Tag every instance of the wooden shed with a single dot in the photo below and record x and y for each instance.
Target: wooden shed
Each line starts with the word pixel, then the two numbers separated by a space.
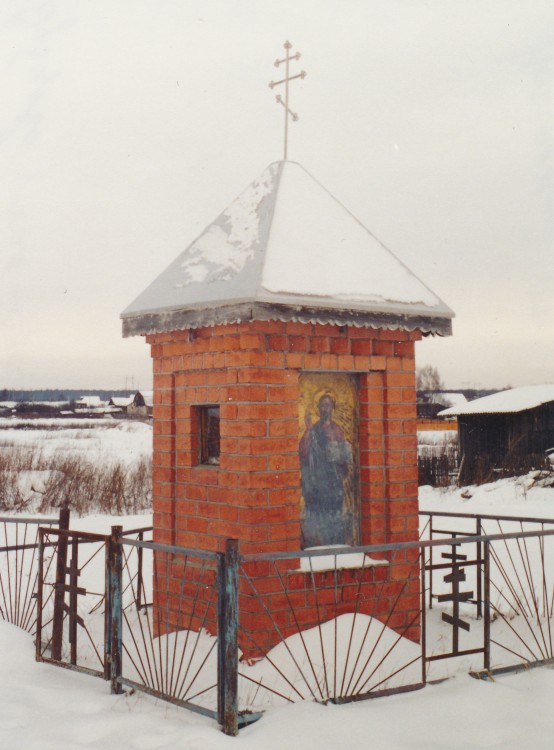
pixel 505 433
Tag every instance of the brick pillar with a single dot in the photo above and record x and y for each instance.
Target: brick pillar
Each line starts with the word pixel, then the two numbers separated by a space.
pixel 251 371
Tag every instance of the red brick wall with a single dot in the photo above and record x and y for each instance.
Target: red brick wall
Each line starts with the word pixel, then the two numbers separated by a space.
pixel 252 371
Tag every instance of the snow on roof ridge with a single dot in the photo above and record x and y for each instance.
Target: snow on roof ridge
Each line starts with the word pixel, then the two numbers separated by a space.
pixel 505 402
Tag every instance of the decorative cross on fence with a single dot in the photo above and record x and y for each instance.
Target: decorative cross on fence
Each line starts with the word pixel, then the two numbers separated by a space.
pixel 74 590
pixel 456 596
pixel 285 80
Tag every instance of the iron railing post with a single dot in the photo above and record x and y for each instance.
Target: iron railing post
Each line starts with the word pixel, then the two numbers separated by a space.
pixel 431 517
pixel 38 636
pixel 423 618
pixel 487 607
pixel 107 609
pixel 59 592
pixel 478 531
pixel 115 608
pixel 73 576
pixel 227 617
pixel 139 572
pixel 220 628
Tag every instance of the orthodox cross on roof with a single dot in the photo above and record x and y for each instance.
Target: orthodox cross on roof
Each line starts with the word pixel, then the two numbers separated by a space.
pixel 279 99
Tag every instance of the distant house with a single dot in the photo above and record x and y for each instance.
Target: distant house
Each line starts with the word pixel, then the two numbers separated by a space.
pixel 142 404
pixel 90 404
pixel 432 405
pixel 506 432
pixel 119 404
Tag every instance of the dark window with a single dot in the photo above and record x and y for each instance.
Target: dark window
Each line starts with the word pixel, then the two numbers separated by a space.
pixel 209 434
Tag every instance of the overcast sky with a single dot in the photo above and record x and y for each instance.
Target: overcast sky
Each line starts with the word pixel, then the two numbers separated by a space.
pixel 127 126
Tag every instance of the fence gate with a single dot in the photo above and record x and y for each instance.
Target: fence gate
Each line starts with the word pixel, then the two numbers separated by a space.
pixel 72 628
pixel 147 626
pixel 453 583
pixel 490 593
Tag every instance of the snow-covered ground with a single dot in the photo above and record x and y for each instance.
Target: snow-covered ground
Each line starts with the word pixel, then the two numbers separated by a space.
pixel 527 496
pixel 98 440
pixel 44 707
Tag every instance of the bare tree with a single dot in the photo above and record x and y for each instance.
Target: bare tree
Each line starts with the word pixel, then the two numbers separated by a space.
pixel 428 380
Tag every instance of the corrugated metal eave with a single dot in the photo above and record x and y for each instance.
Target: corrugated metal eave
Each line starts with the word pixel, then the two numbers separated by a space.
pixel 162 322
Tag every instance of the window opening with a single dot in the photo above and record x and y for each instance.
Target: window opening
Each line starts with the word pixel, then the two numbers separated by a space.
pixel 209 435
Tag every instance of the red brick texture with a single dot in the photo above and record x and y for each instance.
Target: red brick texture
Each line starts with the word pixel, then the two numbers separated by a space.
pixel 251 370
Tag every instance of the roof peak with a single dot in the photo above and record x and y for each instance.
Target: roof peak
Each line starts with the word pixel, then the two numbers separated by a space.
pixel 286 242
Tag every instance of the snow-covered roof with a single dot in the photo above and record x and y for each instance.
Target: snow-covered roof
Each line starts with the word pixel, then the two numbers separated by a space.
pixel 505 402
pixel 286 249
pixel 90 402
pixel 121 400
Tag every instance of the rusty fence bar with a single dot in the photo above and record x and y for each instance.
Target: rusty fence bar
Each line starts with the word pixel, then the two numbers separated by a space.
pixel 422 568
pixel 391 547
pixel 487 607
pixel 485 516
pixel 114 607
pixel 227 615
pixel 59 593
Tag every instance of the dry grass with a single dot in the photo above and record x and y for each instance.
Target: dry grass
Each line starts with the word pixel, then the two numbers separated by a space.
pixel 31 482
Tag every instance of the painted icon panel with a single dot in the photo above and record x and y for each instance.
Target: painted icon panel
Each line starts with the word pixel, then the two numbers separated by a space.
pixel 328 423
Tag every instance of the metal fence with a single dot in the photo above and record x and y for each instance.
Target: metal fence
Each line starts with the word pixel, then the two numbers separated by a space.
pixel 502 580
pixel 230 635
pixel 330 625
pixel 165 647
pixel 73 600
pixel 19 568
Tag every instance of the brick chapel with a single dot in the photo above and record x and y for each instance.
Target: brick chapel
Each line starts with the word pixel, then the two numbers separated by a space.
pixel 282 342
